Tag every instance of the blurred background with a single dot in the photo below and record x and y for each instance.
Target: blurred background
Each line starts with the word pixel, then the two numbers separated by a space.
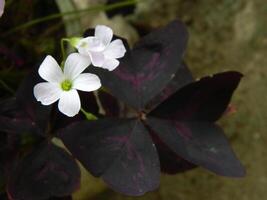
pixel 224 35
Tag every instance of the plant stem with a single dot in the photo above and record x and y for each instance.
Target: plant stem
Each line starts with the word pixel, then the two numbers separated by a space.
pixel 89 116
pixel 63 50
pixel 58 15
pixel 100 106
pixel 6 87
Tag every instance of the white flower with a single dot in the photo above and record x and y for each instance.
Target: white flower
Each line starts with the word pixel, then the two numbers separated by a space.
pixel 99 48
pixel 63 85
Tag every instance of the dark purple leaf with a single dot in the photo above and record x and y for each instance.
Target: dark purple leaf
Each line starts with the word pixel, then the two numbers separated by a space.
pixel 109 103
pixel 2 177
pixel 8 148
pixel 92 143
pixel 46 172
pixel 17 125
pixel 8 107
pixel 137 169
pixel 26 101
pixel 204 100
pixel 59 120
pixel 182 77
pixel 120 151
pixel 170 162
pixel 148 67
pixel 14 120
pixel 89 102
pixel 201 143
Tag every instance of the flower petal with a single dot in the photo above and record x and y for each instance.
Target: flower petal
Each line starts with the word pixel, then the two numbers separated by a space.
pixel 82 46
pixel 47 93
pixel 87 82
pixel 50 71
pixel 116 49
pixel 75 64
pixel 95 44
pixel 69 103
pixel 88 44
pixel 111 64
pixel 98 58
pixel 104 33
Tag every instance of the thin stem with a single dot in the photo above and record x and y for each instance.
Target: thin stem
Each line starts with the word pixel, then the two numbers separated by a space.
pixel 100 106
pixel 89 116
pixel 63 50
pixel 58 15
pixel 6 87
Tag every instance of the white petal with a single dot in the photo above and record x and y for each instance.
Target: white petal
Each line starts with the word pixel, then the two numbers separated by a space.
pixel 95 44
pixel 97 58
pixel 75 64
pixel 111 64
pixel 50 71
pixel 87 82
pixel 47 93
pixel 104 33
pixel 90 44
pixel 69 103
pixel 115 49
pixel 82 47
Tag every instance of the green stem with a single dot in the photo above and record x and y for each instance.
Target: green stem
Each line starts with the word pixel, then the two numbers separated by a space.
pixel 63 50
pixel 58 15
pixel 100 106
pixel 6 87
pixel 89 116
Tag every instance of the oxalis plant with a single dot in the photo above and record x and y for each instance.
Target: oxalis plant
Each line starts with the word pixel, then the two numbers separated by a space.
pixel 149 116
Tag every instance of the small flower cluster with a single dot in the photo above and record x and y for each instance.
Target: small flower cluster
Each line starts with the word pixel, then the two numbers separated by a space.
pixel 62 84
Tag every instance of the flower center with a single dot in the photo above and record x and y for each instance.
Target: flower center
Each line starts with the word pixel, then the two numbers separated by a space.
pixel 84 45
pixel 66 85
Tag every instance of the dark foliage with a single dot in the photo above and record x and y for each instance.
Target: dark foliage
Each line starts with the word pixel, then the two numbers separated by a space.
pixel 32 165
pixel 166 112
pixel 47 171
pixel 157 118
